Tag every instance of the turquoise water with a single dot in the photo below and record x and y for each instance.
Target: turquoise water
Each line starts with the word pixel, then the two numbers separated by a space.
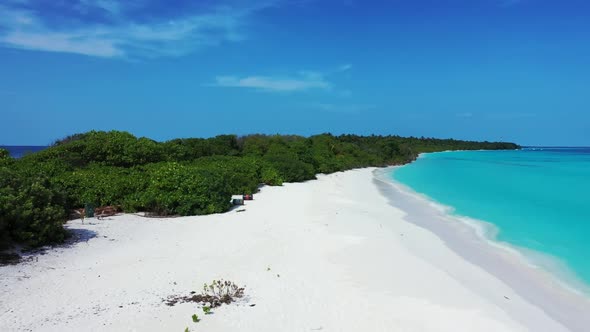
pixel 538 199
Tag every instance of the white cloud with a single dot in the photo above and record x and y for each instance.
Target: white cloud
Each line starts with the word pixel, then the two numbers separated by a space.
pixel 63 42
pixel 124 37
pixel 303 81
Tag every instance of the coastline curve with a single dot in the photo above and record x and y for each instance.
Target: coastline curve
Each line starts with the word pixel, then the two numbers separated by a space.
pixel 473 241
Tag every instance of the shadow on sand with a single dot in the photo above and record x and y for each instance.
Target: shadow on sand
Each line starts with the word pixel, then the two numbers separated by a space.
pixel 18 255
pixel 76 235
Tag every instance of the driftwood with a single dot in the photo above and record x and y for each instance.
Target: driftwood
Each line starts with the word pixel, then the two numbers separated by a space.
pixel 106 211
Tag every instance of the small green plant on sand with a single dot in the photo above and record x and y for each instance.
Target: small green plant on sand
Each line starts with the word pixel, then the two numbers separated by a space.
pixel 196 318
pixel 217 293
pixel 207 310
pixel 221 292
pixel 186 330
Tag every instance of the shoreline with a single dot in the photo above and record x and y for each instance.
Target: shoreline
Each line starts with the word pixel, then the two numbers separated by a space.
pixel 330 254
pixel 487 231
pixel 562 296
pixel 554 266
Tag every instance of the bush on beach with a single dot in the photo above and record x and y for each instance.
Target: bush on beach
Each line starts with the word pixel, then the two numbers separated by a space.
pixel 184 189
pixel 179 177
pixel 31 210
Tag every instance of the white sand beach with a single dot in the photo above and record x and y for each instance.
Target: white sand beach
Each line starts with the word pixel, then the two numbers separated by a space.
pixel 326 255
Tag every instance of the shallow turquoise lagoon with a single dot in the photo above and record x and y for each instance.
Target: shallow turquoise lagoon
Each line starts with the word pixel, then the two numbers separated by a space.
pixel 538 199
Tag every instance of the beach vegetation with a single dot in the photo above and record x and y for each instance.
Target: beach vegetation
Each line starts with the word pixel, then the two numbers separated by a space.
pixel 5 159
pixel 221 292
pixel 31 209
pixel 187 176
pixel 215 294
pixel 183 189
pixel 4 154
pixel 206 310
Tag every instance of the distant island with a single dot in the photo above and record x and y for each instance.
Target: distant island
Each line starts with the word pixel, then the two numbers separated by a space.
pixel 191 176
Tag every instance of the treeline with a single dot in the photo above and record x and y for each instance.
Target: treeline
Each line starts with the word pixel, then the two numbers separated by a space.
pixel 179 177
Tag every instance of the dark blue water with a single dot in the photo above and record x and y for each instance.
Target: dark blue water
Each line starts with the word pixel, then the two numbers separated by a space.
pixel 17 151
pixel 538 198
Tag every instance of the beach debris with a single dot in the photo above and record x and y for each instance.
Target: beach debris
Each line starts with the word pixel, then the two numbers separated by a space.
pixel 253 305
pixel 213 295
pixel 506 297
pixel 237 200
pixel 105 211
pixel 241 210
pixel 89 211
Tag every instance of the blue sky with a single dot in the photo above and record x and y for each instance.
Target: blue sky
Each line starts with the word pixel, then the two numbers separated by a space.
pixel 516 70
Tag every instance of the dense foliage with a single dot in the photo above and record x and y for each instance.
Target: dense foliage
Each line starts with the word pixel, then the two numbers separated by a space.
pixel 178 177
pixel 32 208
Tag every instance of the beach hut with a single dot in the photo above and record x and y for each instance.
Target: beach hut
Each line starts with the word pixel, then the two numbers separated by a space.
pixel 237 200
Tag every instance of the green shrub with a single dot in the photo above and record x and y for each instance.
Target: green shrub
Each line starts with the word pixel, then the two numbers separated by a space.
pixel 4 154
pixel 242 174
pixel 288 164
pixel 5 159
pixel 114 148
pixel 32 211
pixel 186 149
pixel 102 186
pixel 270 176
pixel 177 189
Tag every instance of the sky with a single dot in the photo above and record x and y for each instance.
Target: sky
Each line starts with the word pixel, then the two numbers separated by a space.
pixel 511 70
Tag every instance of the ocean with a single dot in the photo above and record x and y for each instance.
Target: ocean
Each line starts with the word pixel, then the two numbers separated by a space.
pixel 538 199
pixel 17 151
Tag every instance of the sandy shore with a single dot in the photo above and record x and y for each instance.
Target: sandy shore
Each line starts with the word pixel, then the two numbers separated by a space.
pixel 326 255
